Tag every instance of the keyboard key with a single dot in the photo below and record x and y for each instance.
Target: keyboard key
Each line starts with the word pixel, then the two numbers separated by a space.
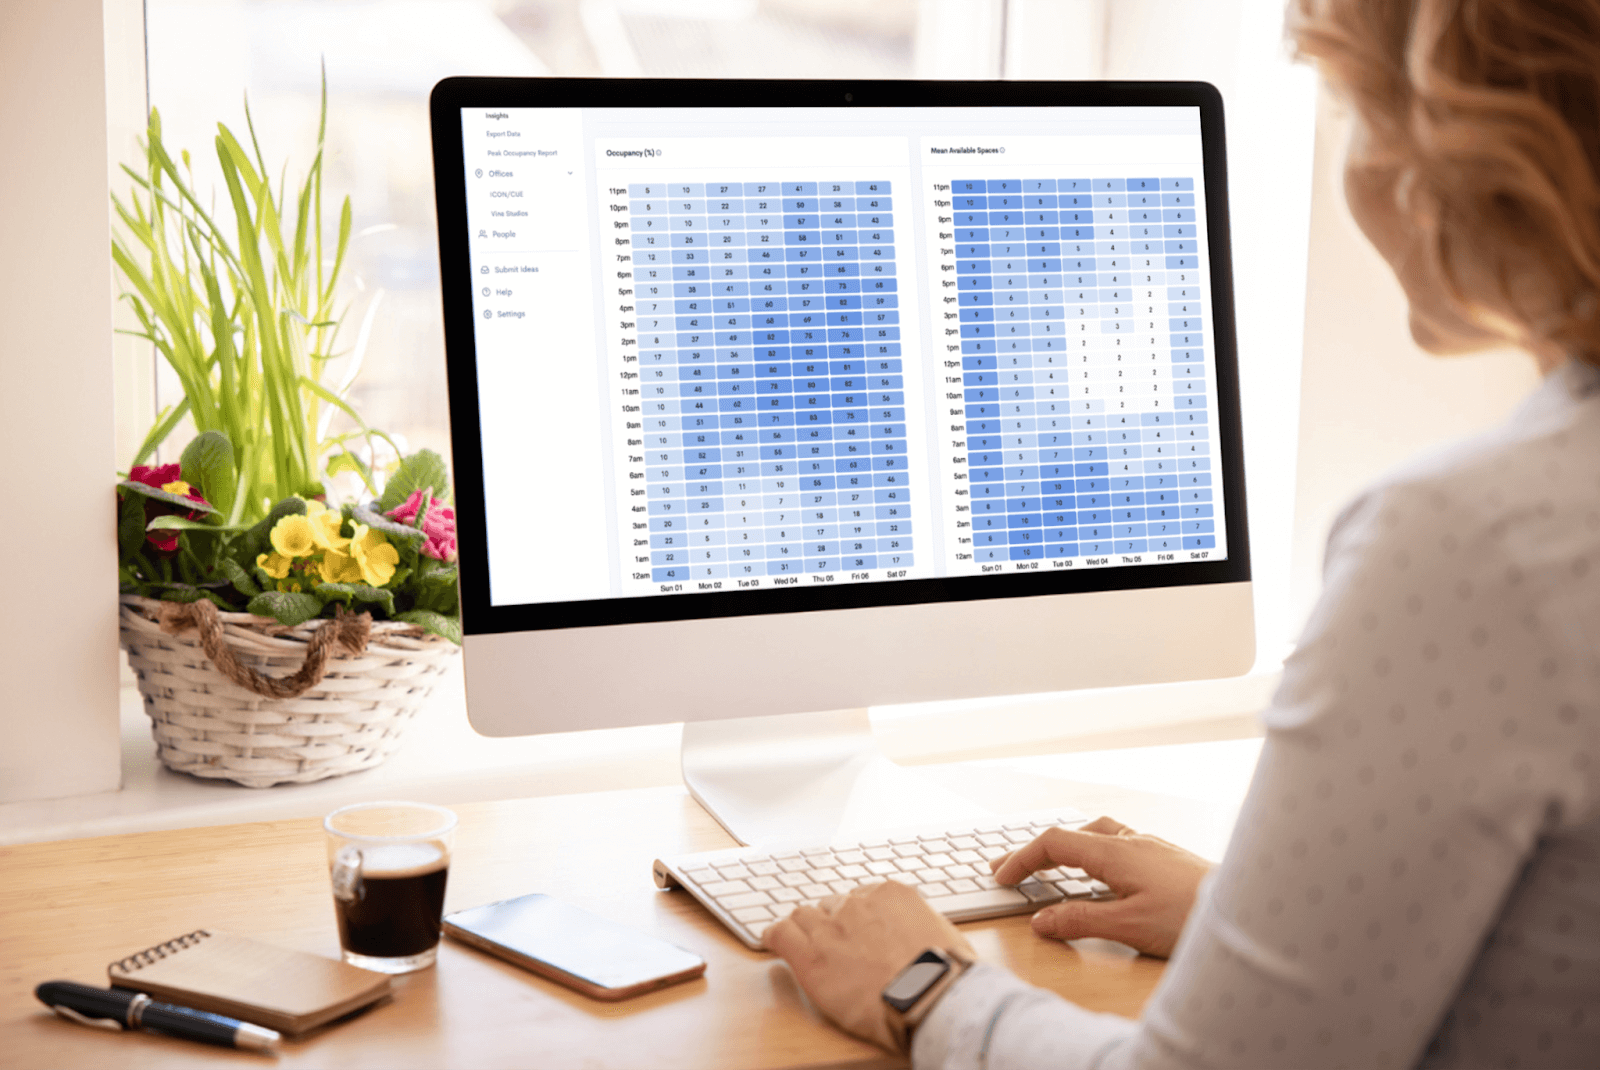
pixel 896 841
pixel 908 865
pixel 1075 874
pixel 939 858
pixel 765 869
pixel 752 914
pixel 852 858
pixel 793 865
pixel 993 839
pixel 985 880
pixel 1018 838
pixel 989 900
pixel 933 890
pixel 816 891
pixel 812 852
pixel 1017 826
pixel 930 875
pixel 718 889
pixel 963 843
pixel 1050 876
pixel 764 884
pixel 733 873
pixel 786 895
pixel 781 910
pixel 883 869
pixel 745 899
pixel 1074 889
pixel 969 857
pixel 1040 893
pixel 700 876
pixel 1099 887
pixel 879 854
pixel 961 871
pixel 794 880
pixel 908 850
pixel 824 875
pixel 843 887
pixel 963 885
pixel 854 873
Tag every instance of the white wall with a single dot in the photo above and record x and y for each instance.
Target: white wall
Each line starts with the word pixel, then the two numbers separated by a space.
pixel 58 633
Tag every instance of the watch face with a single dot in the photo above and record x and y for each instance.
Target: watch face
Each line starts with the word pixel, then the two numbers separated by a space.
pixel 908 986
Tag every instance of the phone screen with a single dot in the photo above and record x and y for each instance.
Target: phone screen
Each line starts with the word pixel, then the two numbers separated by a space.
pixel 574 942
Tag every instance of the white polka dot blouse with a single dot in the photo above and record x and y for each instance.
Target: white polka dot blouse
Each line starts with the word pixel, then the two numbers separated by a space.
pixel 1415 876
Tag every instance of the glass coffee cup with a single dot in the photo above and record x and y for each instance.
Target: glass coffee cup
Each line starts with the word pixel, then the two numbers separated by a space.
pixel 389 862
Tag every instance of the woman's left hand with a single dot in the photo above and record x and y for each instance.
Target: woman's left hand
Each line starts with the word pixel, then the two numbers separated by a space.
pixel 847 948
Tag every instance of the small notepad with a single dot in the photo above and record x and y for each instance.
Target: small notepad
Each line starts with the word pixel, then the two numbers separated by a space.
pixel 290 991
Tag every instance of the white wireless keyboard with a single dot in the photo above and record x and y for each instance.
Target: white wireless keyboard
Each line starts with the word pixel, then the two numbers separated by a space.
pixel 751 888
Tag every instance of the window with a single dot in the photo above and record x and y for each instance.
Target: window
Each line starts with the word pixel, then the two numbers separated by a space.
pixel 383 56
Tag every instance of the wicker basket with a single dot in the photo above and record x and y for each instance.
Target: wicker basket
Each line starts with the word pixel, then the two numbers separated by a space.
pixel 209 726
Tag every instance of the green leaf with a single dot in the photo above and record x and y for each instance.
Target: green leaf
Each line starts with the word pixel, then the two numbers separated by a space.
pixel 419 471
pixel 165 496
pixel 437 590
pixel 437 623
pixel 348 461
pixel 360 592
pixel 130 524
pixel 180 592
pixel 238 577
pixel 208 465
pixel 165 422
pixel 178 523
pixel 287 607
pixel 403 532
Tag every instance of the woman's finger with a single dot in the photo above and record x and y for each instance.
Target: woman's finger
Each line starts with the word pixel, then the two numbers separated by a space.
pixel 1107 826
pixel 1075 919
pixel 1059 847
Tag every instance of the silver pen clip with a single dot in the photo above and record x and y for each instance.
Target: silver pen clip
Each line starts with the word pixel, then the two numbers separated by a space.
pixel 83 1019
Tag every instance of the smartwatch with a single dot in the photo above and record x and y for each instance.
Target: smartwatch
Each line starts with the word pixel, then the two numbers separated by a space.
pixel 915 989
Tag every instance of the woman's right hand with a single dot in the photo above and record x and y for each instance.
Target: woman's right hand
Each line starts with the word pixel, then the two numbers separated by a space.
pixel 1155 882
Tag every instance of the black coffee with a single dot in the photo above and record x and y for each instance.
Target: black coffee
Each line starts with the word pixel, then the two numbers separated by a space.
pixel 394 912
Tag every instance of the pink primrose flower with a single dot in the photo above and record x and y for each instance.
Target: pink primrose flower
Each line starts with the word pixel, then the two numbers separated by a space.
pixel 161 478
pixel 439 525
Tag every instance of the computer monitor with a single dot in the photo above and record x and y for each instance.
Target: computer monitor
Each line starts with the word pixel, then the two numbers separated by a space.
pixel 778 397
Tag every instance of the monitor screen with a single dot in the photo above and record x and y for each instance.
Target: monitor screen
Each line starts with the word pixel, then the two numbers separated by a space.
pixel 733 354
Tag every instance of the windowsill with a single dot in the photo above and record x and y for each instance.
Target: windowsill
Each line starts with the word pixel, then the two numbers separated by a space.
pixel 442 760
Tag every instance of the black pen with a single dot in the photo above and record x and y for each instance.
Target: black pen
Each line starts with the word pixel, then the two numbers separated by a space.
pixel 122 1008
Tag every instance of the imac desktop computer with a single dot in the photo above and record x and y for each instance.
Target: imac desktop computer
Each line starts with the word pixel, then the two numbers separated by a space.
pixel 772 401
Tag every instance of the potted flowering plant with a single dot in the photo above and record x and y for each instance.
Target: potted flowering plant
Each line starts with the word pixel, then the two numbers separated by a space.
pixel 276 636
pixel 394 558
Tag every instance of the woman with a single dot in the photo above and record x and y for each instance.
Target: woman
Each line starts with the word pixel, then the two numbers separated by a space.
pixel 1415 876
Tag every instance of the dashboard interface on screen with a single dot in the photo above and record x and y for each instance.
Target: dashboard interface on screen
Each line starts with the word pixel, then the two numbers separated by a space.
pixel 728 350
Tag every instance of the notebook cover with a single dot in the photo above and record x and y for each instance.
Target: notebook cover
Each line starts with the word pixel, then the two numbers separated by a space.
pixel 290 991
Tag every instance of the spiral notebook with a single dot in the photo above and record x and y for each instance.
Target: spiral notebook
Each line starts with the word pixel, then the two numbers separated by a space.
pixel 290 991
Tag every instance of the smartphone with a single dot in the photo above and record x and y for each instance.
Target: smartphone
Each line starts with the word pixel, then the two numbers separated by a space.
pixel 589 954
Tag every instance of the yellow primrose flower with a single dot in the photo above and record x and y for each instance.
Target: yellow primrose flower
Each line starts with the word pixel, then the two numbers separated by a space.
pixel 337 567
pixel 292 536
pixel 178 487
pixel 274 565
pixel 374 555
pixel 325 525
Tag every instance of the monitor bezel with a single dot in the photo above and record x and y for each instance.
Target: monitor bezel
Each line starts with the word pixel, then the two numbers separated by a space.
pixel 481 617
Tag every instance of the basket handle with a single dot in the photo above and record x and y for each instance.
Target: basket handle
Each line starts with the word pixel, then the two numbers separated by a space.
pixel 349 630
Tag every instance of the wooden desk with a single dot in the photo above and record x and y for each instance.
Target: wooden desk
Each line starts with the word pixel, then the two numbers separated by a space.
pixel 70 907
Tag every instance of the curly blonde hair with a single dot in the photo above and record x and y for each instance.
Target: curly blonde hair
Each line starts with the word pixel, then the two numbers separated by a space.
pixel 1493 108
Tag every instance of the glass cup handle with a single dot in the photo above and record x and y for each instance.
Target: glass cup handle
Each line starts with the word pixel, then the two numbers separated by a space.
pixel 347 884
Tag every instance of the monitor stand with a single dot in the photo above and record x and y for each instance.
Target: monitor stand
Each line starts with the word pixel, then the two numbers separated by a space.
pixel 812 778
